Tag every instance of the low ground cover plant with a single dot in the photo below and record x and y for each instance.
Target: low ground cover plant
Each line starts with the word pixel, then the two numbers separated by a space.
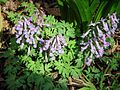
pixel 45 53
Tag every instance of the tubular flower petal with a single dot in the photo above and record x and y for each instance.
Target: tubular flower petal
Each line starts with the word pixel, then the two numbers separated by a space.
pixel 88 61
pixel 100 49
pixel 93 49
pixel 105 25
pixel 93 24
pixel 100 33
pixel 84 35
pixel 103 39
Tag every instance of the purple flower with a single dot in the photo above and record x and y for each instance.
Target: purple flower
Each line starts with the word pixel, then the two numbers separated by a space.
pixel 105 25
pixel 17 35
pixel 18 40
pixel 93 24
pixel 41 50
pixel 100 33
pixel 84 35
pixel 84 47
pixel 60 51
pixel 88 61
pixel 106 44
pixel 52 49
pixel 62 40
pixel 100 49
pixel 113 18
pixel 51 54
pixel 35 46
pixel 93 49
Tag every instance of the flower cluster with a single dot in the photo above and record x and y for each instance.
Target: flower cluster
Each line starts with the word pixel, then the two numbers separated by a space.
pixel 30 33
pixel 54 45
pixel 105 28
pixel 27 32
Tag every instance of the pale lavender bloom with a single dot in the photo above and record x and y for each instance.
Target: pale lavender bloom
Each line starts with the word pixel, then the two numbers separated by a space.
pixel 113 18
pixel 93 49
pixel 18 40
pixel 41 50
pixel 30 41
pixel 35 46
pixel 38 32
pixel 100 33
pixel 26 36
pixel 108 34
pixel 27 21
pixel 84 47
pixel 30 18
pixel 54 41
pixel 40 40
pixel 62 40
pixel 32 32
pixel 105 44
pixel 25 32
pixel 113 30
pixel 84 35
pixel 93 24
pixel 88 61
pixel 114 27
pixel 105 25
pixel 47 44
pixel 27 40
pixel 58 43
pixel 60 51
pixel 100 49
pixel 20 23
pixel 17 35
pixel 31 27
pixel 19 32
pixel 52 49
pixel 94 35
pixel 51 54
pixel 18 27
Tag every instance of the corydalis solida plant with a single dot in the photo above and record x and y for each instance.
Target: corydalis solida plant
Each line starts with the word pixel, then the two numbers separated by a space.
pixel 29 33
pixel 100 30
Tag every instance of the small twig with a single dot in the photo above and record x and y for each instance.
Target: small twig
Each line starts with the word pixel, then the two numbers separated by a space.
pixel 70 83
